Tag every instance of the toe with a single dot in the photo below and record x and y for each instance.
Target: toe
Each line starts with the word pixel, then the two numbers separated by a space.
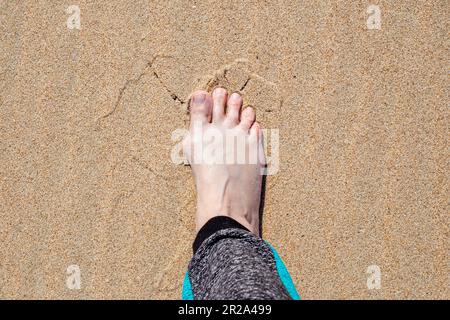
pixel 233 108
pixel 256 135
pixel 255 131
pixel 200 107
pixel 247 118
pixel 220 99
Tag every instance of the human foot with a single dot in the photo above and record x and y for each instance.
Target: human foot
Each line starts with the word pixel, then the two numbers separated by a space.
pixel 224 149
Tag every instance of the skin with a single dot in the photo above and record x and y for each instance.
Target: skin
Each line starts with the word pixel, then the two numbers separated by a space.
pixel 224 187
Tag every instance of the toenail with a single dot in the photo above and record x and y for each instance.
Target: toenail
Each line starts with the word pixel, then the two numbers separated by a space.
pixel 220 91
pixel 248 110
pixel 199 98
pixel 235 96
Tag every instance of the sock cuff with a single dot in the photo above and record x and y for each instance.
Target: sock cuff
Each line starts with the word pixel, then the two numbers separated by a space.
pixel 212 226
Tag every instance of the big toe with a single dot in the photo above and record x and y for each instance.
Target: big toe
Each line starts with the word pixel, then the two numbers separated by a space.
pixel 200 107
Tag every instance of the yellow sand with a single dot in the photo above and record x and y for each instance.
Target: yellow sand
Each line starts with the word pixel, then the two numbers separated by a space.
pixel 86 118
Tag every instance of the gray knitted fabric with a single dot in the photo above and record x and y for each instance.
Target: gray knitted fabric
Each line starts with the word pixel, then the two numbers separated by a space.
pixel 235 264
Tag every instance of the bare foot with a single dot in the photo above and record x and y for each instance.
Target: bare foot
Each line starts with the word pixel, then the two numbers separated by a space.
pixel 224 149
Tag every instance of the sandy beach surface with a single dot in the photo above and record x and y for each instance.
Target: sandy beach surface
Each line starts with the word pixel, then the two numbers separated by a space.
pixel 86 123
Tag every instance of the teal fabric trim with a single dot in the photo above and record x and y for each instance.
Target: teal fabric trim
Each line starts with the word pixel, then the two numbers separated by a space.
pixel 284 275
pixel 186 292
